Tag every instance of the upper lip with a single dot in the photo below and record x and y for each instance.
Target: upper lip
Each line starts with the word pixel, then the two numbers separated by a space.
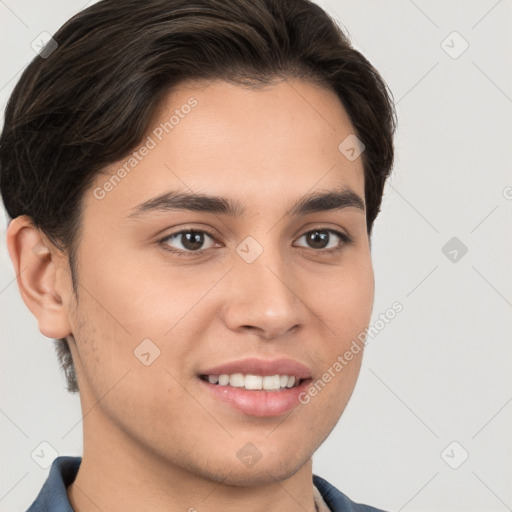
pixel 255 366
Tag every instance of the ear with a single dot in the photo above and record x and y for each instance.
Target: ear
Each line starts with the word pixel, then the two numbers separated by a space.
pixel 36 270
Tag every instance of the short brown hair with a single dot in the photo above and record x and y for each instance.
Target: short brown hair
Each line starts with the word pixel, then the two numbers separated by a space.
pixel 89 103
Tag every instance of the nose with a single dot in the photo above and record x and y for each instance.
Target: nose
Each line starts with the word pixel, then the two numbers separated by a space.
pixel 264 297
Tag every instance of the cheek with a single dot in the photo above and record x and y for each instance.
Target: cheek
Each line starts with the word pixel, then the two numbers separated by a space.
pixel 141 300
pixel 345 301
pixel 127 311
pixel 343 304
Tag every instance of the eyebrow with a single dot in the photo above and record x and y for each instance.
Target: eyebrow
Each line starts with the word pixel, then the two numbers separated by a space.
pixel 311 203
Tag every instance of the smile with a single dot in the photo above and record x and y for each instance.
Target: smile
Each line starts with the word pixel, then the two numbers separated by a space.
pixel 253 382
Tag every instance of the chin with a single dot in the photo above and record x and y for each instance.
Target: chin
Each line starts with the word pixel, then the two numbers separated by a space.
pixel 255 477
pixel 275 466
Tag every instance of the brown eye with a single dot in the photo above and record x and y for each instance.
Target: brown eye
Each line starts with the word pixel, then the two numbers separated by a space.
pixel 317 239
pixel 325 240
pixel 187 241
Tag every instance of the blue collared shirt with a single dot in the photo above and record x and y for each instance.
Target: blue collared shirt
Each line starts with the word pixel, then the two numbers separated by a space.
pixel 53 496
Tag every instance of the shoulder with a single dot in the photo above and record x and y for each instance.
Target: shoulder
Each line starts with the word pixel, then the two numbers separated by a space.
pixel 337 501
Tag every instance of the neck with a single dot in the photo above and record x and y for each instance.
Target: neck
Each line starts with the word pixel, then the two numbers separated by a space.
pixel 117 473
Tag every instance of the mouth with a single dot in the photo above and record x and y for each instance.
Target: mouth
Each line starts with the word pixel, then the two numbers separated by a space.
pixel 254 382
pixel 256 387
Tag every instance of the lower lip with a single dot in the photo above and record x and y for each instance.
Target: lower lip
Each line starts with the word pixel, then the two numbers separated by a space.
pixel 258 402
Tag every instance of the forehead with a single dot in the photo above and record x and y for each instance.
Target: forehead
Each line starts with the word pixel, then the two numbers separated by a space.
pixel 256 145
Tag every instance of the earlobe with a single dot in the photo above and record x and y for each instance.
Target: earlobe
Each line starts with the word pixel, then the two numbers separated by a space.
pixel 36 275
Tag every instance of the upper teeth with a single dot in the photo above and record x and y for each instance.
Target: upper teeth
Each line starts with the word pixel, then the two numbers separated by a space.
pixel 267 382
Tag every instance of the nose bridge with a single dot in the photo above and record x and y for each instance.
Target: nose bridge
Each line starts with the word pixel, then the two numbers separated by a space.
pixel 262 294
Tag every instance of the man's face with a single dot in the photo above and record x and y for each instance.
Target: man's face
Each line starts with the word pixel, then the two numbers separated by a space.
pixel 261 285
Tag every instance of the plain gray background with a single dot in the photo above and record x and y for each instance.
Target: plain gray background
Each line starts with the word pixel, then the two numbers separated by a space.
pixel 435 386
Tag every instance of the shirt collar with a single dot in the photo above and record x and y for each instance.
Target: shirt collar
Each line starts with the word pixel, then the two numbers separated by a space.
pixel 320 504
pixel 53 495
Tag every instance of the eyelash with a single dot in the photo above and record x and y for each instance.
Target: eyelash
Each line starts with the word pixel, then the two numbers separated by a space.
pixel 345 240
